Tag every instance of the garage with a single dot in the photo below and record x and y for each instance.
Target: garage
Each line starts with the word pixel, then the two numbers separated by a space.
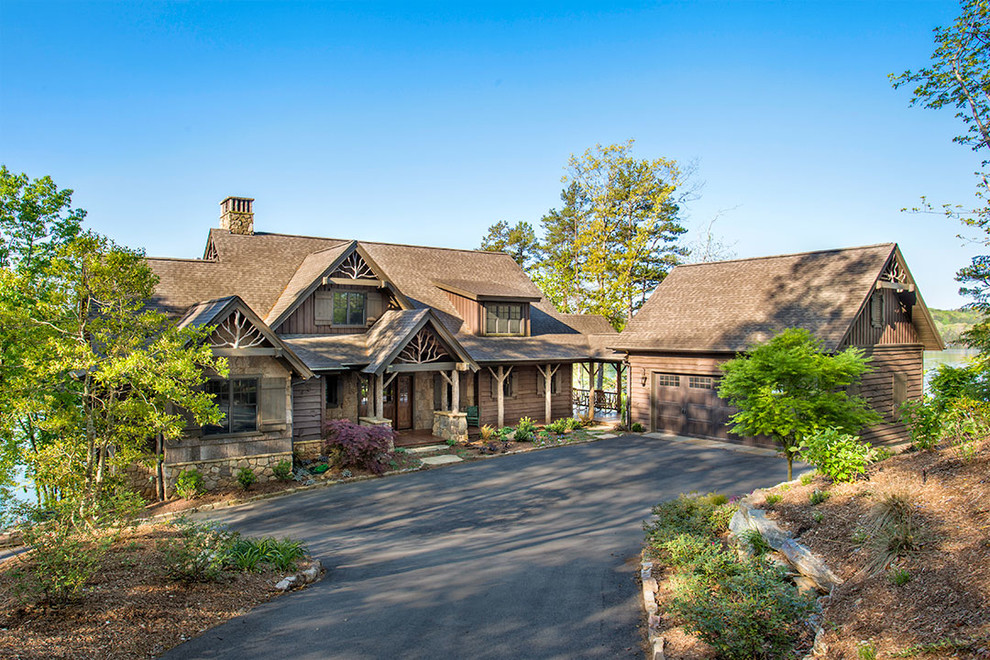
pixel 687 404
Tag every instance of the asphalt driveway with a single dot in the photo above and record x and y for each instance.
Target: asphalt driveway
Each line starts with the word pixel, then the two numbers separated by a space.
pixel 527 556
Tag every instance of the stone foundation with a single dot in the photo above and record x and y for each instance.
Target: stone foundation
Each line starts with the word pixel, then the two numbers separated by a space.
pixel 222 473
pixel 450 425
pixel 307 450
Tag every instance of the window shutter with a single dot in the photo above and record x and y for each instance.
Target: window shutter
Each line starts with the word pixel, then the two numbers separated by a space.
pixel 900 390
pixel 876 309
pixel 541 383
pixel 323 302
pixel 273 402
pixel 374 307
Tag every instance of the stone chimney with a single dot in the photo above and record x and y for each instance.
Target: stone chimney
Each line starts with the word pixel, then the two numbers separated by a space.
pixel 237 215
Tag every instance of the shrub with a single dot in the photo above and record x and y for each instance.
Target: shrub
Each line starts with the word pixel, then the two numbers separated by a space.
pixel 752 614
pixel 698 515
pixel 891 531
pixel 254 554
pixel 189 484
pixel 557 426
pixel 525 430
pixel 283 471
pixel 924 420
pixel 572 423
pixel 363 447
pixel 487 432
pixel 817 497
pixel 451 442
pixel 637 427
pixel 64 559
pixel 807 478
pixel 836 455
pixel 246 477
pixel 199 553
pixel 772 498
pixel 818 516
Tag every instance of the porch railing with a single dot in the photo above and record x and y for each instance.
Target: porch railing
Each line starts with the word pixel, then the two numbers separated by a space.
pixel 604 401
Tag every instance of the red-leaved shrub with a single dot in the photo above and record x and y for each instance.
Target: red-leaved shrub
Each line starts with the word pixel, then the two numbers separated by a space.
pixel 351 445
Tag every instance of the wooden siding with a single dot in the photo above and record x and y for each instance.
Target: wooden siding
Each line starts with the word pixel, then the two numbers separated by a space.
pixel 303 320
pixel 527 399
pixel 469 311
pixel 307 409
pixel 896 325
pixel 890 364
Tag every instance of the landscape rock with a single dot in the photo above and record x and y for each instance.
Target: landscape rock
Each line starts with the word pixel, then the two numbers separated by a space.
pixel 286 583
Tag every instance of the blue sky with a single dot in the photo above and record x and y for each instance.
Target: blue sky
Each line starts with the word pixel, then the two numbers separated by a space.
pixel 427 122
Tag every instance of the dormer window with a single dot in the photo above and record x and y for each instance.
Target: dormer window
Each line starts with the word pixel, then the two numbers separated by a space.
pixel 341 308
pixel 504 319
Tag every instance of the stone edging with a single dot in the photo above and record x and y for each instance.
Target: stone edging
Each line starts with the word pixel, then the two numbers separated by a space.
pixel 805 562
pixel 302 578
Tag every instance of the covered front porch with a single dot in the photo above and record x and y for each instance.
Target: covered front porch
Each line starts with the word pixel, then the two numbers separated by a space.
pixel 606 383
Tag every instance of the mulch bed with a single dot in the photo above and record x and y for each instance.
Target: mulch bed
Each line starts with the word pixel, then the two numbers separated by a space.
pixel 128 610
pixel 943 611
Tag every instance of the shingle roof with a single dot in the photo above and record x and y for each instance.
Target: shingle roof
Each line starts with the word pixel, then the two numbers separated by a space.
pixel 732 305
pixel 256 268
pixel 273 272
pixel 479 290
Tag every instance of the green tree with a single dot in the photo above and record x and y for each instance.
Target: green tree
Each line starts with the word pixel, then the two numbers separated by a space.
pixel 627 226
pixel 518 241
pixel 959 77
pixel 789 389
pixel 90 374
pixel 560 271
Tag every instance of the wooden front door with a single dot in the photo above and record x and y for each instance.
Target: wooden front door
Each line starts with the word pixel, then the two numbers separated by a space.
pixel 399 402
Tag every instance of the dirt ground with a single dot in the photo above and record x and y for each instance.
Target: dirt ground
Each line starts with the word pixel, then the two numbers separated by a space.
pixel 128 610
pixel 942 610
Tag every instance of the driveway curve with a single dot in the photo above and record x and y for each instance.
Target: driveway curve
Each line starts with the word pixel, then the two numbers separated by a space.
pixel 526 556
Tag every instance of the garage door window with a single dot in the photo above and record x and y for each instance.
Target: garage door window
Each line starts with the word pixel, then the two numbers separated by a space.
pixel 701 382
pixel 668 380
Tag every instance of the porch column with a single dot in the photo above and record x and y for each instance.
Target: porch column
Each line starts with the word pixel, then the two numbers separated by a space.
pixel 618 390
pixel 379 396
pixel 592 372
pixel 500 377
pixel 455 390
pixel 548 372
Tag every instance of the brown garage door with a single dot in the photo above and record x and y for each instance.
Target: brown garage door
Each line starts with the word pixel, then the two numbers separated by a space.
pixel 688 405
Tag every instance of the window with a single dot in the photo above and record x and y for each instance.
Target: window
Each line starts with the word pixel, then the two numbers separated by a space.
pixel 701 382
pixel 349 307
pixel 542 384
pixel 504 319
pixel 364 395
pixel 238 401
pixel 333 390
pixel 668 380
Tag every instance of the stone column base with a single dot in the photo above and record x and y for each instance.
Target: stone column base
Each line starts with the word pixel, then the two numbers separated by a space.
pixel 450 425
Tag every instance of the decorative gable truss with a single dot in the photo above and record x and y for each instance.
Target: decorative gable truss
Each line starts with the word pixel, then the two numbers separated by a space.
pixel 236 332
pixel 424 348
pixel 354 267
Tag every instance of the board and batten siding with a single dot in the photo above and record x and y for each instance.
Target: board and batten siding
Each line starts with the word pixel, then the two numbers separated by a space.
pixel 469 310
pixel 895 325
pixel 527 399
pixel 303 320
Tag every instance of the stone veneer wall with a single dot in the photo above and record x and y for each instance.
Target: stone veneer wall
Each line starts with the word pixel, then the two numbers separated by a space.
pixel 218 473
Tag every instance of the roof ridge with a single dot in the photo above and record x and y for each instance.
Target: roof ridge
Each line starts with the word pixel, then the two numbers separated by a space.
pixel 789 254
pixel 359 241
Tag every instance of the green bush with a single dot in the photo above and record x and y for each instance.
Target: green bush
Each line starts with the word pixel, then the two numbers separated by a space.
pixel 572 423
pixel 283 471
pixel 189 484
pixel 836 455
pixel 557 426
pixel 757 544
pixel 924 421
pixel 772 498
pixel 63 559
pixel 199 553
pixel 817 497
pixel 255 554
pixel 807 478
pixel 525 430
pixel 698 515
pixel 637 427
pixel 755 613
pixel 246 477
